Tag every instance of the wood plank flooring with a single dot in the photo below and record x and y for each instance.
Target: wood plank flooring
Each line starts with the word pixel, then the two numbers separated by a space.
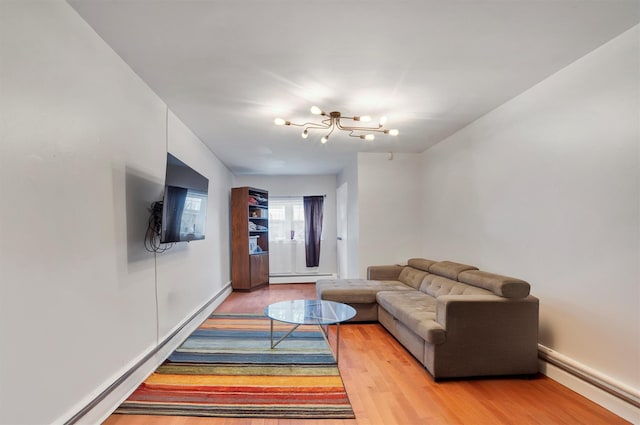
pixel 387 386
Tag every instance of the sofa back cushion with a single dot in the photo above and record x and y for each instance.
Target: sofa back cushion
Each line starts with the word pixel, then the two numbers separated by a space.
pixel 412 277
pixel 505 286
pixel 421 263
pixel 449 269
pixel 436 286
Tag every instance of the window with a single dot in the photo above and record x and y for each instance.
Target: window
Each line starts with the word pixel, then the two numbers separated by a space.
pixel 286 218
pixel 192 203
pixel 193 219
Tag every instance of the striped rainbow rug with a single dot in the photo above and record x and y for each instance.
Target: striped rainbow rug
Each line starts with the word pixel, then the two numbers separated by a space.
pixel 226 368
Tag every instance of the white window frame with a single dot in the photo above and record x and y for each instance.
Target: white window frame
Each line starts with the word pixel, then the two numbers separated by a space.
pixel 280 227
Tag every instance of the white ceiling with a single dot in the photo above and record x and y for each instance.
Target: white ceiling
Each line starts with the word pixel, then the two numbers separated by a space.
pixel 228 68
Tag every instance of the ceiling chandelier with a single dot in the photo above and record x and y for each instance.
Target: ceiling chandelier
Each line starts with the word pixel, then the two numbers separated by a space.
pixel 334 119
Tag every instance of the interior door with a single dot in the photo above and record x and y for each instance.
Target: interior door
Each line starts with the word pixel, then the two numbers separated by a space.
pixel 342 243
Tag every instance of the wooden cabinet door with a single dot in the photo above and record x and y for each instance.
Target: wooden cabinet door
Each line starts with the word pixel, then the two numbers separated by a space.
pixel 259 269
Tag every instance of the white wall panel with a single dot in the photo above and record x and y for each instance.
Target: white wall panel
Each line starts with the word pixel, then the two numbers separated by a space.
pixel 389 209
pixel 82 156
pixel 191 272
pixel 547 188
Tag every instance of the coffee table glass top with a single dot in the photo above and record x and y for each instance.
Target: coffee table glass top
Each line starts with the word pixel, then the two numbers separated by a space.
pixel 310 312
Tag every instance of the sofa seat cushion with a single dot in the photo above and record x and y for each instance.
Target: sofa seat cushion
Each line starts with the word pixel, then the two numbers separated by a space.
pixel 505 286
pixel 416 310
pixel 436 286
pixel 357 291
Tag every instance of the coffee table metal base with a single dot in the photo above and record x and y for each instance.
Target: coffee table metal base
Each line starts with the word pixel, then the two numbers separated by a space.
pixel 325 334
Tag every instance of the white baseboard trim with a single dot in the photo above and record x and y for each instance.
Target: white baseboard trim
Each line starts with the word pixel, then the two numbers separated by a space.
pixel 300 277
pixel 102 406
pixel 615 396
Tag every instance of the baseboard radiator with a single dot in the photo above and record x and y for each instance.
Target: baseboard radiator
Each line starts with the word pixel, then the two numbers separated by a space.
pixel 303 277
pixel 593 377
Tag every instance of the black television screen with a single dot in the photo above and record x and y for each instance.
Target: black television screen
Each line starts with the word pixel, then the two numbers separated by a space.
pixel 184 209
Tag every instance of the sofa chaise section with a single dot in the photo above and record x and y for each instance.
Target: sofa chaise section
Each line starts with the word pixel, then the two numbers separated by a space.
pixel 358 293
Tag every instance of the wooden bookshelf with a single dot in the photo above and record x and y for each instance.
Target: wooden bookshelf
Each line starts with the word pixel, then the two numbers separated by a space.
pixel 249 238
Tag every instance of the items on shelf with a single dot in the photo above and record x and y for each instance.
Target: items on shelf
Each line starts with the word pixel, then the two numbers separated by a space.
pixel 253 245
pixel 253 227
pixel 258 200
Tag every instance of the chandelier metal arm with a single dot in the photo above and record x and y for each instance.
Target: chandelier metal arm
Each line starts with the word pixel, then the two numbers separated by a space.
pixel 354 135
pixel 308 124
pixel 317 126
pixel 355 128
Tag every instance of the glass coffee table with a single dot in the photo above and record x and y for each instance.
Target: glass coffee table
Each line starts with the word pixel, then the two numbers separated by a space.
pixel 310 312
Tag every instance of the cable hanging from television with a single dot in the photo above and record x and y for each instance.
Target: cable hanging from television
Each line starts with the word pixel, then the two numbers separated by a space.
pixel 154 229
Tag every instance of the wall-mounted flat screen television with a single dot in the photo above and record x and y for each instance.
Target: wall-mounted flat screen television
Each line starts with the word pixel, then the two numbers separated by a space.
pixel 184 208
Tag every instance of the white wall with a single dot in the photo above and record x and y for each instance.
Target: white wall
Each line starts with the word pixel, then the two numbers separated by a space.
pixel 305 186
pixel 547 188
pixel 389 215
pixel 189 273
pixel 82 155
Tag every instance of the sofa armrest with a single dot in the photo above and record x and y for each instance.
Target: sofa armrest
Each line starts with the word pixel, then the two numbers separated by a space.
pixel 481 321
pixel 391 272
pixel 464 312
pixel 487 335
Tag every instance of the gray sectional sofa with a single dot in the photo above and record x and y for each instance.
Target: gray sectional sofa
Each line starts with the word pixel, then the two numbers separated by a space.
pixel 456 320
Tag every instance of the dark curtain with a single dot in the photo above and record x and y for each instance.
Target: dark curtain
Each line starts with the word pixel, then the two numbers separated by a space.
pixel 176 198
pixel 313 206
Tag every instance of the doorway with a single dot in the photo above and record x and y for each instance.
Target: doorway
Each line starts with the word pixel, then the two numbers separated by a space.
pixel 342 200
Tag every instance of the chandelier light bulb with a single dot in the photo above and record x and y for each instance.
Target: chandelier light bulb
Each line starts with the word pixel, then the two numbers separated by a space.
pixel 383 120
pixel 394 132
pixel 315 110
pixel 324 139
pixel 365 118
pixel 369 137
pixel 305 134
pixel 279 121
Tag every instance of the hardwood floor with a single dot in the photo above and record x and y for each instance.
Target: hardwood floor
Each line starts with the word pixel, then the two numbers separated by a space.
pixel 387 386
